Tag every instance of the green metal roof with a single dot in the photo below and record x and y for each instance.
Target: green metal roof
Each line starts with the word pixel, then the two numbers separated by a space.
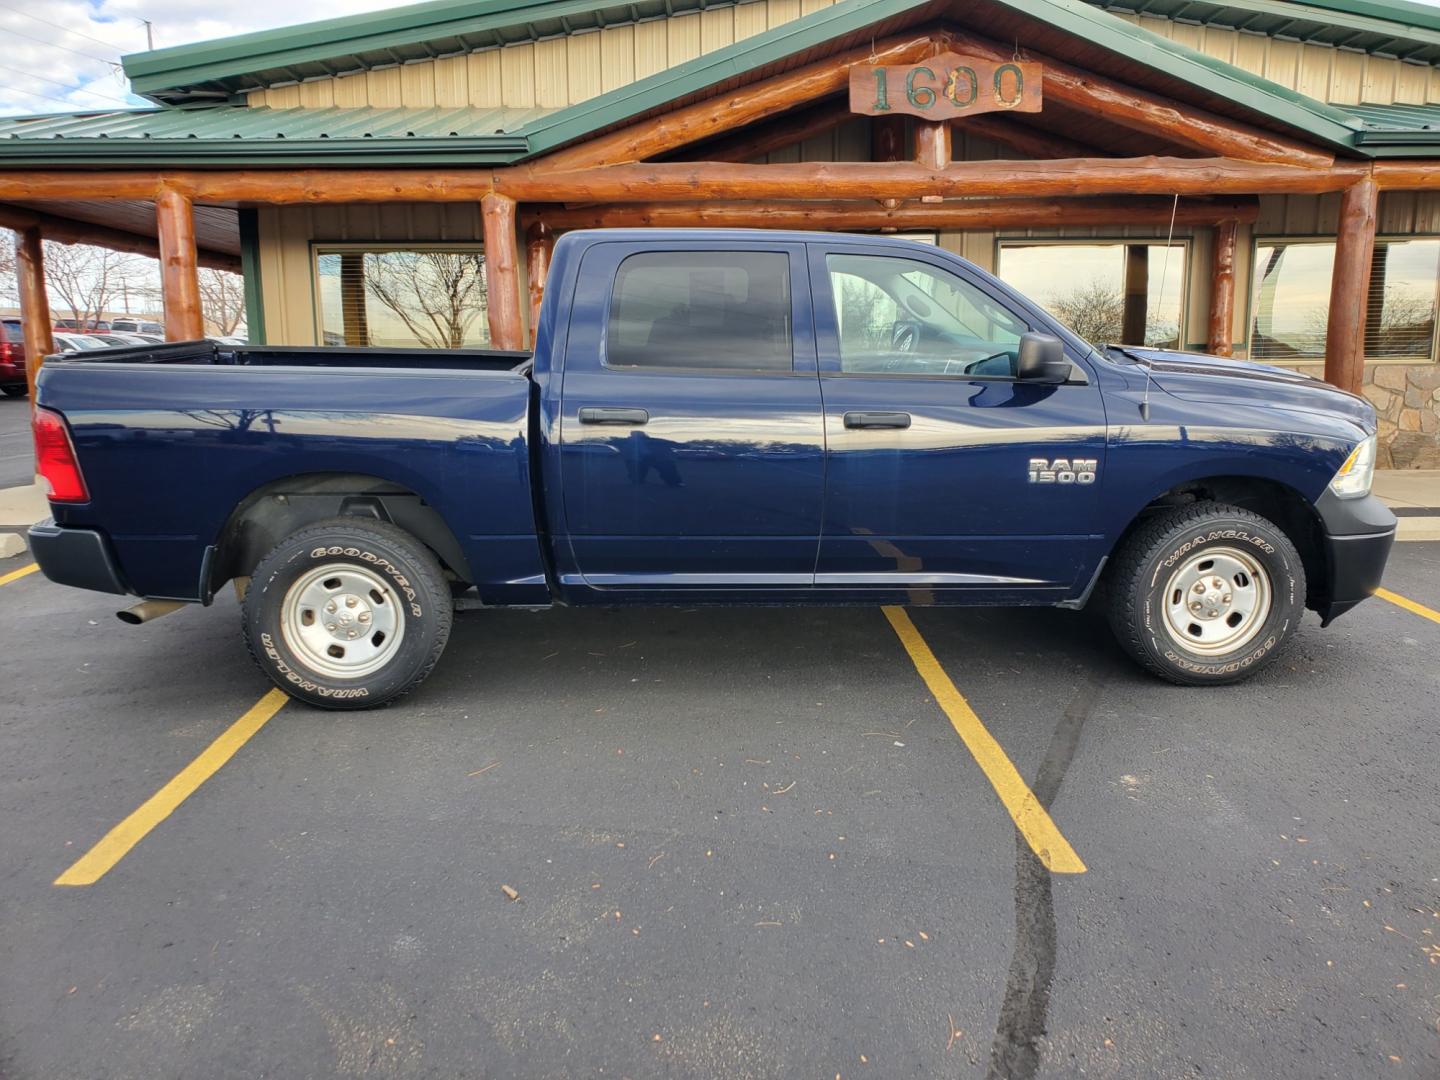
pixel 217 69
pixel 227 66
pixel 1401 129
pixel 1387 28
pixel 237 134
pixel 233 134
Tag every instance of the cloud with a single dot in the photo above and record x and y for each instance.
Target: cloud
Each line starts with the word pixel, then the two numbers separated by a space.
pixel 64 55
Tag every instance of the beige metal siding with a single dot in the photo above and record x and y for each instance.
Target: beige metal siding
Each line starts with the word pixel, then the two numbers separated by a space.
pixel 1337 76
pixel 561 71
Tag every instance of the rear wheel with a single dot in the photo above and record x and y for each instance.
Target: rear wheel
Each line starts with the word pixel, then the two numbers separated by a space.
pixel 1206 594
pixel 347 613
pixel 18 390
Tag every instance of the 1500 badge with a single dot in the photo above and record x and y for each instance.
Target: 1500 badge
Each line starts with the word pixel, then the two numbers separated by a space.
pixel 1063 470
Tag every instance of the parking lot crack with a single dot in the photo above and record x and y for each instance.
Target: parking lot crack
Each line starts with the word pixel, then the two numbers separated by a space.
pixel 1015 1051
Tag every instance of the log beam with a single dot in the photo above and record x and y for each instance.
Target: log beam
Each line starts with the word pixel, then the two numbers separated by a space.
pixel 906 180
pixel 1350 286
pixel 70 231
pixel 746 105
pixel 1220 335
pixel 787 131
pixel 1140 110
pixel 685 182
pixel 539 246
pixel 34 303
pixel 502 272
pixel 956 214
pixel 179 281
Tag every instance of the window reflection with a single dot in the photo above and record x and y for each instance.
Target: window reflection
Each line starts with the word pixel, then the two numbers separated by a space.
pixel 1128 294
pixel 425 297
pixel 1290 309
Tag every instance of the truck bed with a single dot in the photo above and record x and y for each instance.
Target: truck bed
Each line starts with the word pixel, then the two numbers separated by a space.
pixel 174 438
pixel 213 353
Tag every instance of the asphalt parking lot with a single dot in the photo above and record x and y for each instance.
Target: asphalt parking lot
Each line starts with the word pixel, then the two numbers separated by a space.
pixel 745 843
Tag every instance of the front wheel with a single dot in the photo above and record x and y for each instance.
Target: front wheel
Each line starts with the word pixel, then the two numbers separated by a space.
pixel 347 613
pixel 1206 594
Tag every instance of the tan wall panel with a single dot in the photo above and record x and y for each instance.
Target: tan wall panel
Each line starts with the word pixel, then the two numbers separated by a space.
pixel 617 58
pixel 582 68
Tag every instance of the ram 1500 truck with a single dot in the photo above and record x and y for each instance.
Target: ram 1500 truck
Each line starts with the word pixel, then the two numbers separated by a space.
pixel 713 417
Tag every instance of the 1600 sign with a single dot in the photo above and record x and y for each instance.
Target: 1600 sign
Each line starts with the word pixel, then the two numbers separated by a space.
pixel 946 86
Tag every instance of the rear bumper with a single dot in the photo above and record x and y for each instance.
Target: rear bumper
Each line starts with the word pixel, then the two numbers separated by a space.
pixel 1358 534
pixel 11 373
pixel 78 557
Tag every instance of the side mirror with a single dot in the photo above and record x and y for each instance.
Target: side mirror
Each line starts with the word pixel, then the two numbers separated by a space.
pixel 1041 359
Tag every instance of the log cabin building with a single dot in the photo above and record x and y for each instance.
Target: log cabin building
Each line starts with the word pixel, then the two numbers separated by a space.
pixel 1252 178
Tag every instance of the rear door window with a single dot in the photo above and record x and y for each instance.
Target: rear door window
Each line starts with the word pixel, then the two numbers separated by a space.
pixel 702 310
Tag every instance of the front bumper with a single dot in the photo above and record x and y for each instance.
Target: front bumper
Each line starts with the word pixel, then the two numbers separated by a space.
pixel 1357 536
pixel 78 557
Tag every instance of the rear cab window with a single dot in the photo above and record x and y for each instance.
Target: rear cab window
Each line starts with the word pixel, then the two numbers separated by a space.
pixel 706 311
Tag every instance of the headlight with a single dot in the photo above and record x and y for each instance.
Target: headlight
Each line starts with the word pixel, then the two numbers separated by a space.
pixel 1353 479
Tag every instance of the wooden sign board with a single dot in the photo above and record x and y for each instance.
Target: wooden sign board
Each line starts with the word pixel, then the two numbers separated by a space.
pixel 946 86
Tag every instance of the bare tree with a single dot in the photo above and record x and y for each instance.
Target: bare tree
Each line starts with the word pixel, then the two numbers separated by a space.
pixel 222 298
pixel 438 295
pixel 9 286
pixel 87 279
pixel 1095 310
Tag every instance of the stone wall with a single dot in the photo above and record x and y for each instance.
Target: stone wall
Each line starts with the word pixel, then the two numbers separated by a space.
pixel 1407 399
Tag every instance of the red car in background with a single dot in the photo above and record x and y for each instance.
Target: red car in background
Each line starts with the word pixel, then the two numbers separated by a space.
pixel 83 326
pixel 12 358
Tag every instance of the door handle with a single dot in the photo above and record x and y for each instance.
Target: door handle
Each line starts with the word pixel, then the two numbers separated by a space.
pixel 597 414
pixel 877 419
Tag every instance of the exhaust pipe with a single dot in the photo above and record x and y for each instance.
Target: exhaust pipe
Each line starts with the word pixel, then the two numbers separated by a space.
pixel 146 610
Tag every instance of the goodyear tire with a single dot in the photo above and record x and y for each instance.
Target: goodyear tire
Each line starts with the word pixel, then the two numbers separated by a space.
pixel 347 613
pixel 1206 594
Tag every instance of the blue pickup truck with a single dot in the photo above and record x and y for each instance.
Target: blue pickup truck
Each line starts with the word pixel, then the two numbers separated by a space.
pixel 717 417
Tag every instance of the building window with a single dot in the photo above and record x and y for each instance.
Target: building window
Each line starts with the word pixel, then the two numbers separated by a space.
pixel 423 296
pixel 706 310
pixel 1119 292
pixel 1290 308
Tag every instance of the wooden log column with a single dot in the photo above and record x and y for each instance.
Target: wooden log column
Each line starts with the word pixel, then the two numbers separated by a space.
pixel 932 143
pixel 502 272
pixel 34 303
pixel 1219 338
pixel 179 279
pixel 539 244
pixel 1350 286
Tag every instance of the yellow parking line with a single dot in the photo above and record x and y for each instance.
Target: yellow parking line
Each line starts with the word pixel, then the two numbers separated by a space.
pixel 16 575
pixel 1030 817
pixel 1409 605
pixel 96 862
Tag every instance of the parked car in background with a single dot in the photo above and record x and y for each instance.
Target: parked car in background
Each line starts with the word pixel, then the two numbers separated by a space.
pixel 83 326
pixel 150 339
pixel 116 339
pixel 12 358
pixel 77 342
pixel 231 340
pixel 137 326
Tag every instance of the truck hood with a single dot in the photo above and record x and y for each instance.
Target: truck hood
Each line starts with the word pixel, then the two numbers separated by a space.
pixel 1197 377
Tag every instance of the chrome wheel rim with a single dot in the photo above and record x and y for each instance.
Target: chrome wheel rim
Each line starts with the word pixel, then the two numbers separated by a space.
pixel 342 621
pixel 1217 601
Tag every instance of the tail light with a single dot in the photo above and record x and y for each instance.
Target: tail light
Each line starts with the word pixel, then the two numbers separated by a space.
pixel 55 458
pixel 7 353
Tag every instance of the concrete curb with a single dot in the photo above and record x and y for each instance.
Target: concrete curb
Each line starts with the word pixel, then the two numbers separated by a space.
pixel 21 507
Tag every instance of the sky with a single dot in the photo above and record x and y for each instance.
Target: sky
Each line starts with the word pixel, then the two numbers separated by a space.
pixel 63 55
